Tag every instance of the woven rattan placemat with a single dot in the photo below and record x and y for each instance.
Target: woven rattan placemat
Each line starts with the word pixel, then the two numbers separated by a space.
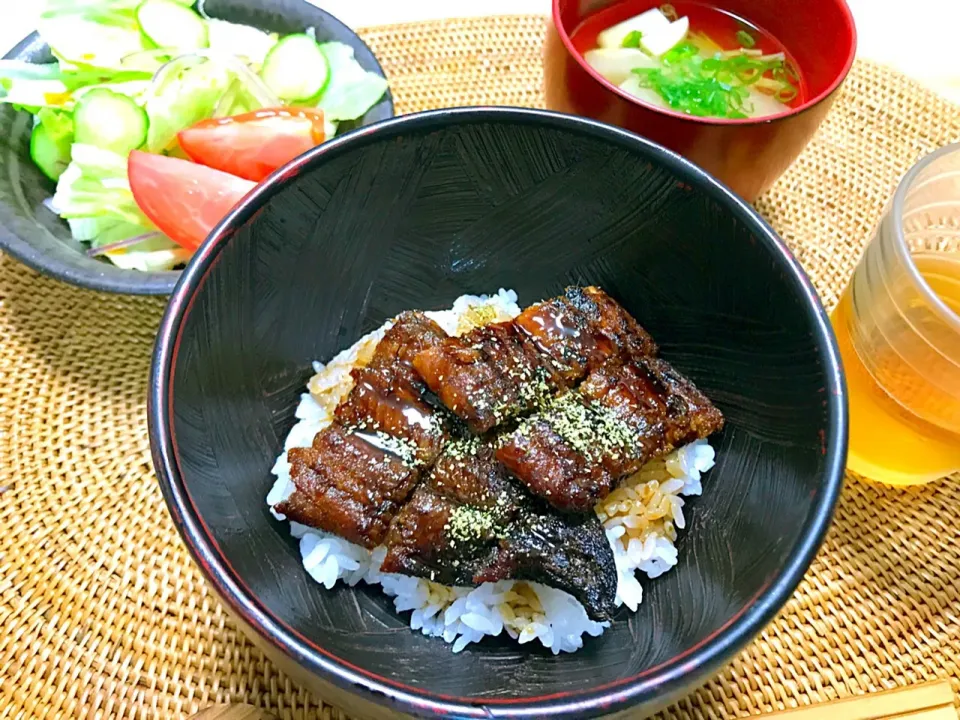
pixel 103 614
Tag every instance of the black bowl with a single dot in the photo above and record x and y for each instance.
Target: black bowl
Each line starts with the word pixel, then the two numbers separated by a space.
pixel 412 213
pixel 35 235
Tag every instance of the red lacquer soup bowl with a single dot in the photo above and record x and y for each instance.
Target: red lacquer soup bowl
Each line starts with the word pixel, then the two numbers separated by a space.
pixel 746 154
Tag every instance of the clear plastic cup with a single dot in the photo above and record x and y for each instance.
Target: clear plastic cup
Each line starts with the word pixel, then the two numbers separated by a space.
pixel 898 328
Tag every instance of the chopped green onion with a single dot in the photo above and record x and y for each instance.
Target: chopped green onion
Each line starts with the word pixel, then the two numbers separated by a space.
pixel 786 94
pixel 717 86
pixel 632 39
pixel 745 39
pixel 681 53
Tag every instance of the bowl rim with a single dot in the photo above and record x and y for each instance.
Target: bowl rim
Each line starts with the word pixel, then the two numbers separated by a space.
pixel 133 282
pixel 849 25
pixel 659 683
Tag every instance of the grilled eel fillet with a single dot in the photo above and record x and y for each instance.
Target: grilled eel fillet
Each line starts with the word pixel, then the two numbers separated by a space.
pixel 469 523
pixel 501 371
pixel 361 469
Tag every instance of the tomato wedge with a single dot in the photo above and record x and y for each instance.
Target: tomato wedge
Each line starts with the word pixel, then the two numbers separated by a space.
pixel 254 144
pixel 184 200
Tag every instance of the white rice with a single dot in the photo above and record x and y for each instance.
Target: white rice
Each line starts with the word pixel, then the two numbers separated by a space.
pixel 641 519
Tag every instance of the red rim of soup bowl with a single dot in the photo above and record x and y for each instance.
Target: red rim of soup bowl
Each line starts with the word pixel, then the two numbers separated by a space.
pixel 850 28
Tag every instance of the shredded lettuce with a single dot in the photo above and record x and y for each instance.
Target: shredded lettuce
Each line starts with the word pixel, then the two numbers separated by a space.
pixel 189 95
pixel 147 60
pixel 95 185
pixel 244 41
pixel 99 231
pixel 49 85
pixel 131 88
pixel 108 9
pixel 83 41
pixel 151 256
pixel 31 87
pixel 94 197
pixel 329 127
pixel 34 94
pixel 73 77
pixel 237 100
pixel 153 253
pixel 351 90
pixel 13 70
pixel 89 229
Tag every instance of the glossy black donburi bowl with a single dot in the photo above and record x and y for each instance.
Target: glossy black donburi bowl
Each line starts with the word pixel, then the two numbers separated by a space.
pixel 33 234
pixel 412 213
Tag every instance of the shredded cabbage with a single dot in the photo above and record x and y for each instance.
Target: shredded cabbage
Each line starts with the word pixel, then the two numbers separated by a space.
pixel 84 42
pixel 243 41
pixel 188 95
pixel 351 90
pixel 95 185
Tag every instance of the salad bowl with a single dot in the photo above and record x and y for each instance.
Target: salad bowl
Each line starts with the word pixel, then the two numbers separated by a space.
pixel 31 229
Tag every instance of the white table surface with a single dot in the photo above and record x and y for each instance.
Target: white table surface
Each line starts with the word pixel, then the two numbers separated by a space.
pixel 918 37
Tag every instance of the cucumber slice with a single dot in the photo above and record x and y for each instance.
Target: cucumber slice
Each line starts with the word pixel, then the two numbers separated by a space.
pixel 295 68
pixel 110 121
pixel 168 24
pixel 50 155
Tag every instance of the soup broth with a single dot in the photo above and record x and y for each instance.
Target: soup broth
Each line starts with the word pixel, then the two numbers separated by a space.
pixel 696 59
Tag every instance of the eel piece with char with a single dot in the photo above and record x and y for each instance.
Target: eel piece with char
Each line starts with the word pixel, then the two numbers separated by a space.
pixel 347 486
pixel 469 523
pixel 455 517
pixel 362 468
pixel 486 376
pixel 505 370
pixel 625 413
pixel 582 329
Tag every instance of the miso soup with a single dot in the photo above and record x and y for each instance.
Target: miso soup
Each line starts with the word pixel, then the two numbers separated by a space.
pixel 693 59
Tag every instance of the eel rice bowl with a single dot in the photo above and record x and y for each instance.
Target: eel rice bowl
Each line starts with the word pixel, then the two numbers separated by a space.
pixel 497 470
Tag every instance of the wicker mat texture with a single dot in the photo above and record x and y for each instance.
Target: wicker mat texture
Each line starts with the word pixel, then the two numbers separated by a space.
pixel 103 614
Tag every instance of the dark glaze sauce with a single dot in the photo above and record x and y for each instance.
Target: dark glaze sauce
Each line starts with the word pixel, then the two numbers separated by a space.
pixel 468 523
pixel 362 469
pixel 397 468
pixel 625 413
